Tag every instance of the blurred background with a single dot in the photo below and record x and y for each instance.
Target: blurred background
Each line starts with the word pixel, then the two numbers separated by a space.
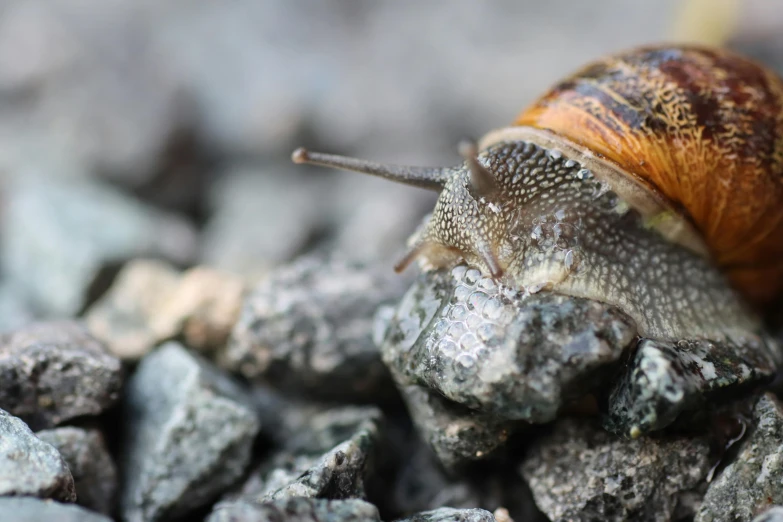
pixel 163 128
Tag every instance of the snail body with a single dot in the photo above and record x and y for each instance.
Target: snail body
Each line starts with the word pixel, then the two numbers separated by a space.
pixel 651 180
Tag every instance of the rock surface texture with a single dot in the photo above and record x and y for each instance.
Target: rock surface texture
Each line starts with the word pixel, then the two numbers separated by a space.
pixel 307 328
pixel 297 509
pixel 753 480
pixel 189 435
pixel 581 472
pixel 56 371
pixel 94 472
pixel 30 466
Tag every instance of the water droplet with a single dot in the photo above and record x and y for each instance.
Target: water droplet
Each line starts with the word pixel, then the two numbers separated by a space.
pixel 457 330
pixel 474 321
pixel 477 300
pixel 472 275
pixel 468 342
pixel 492 309
pixel 458 272
pixel 462 292
pixel 465 363
pixel 570 163
pixel 458 312
pixel 488 332
pixel 537 287
pixel 555 154
pixel 568 260
pixel 487 284
pixel 447 348
pixel 584 174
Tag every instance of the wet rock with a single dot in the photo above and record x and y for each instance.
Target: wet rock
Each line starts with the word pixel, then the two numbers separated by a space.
pixel 307 328
pixel 150 302
pixel 29 509
pixel 331 454
pixel 665 379
pixel 57 235
pixel 753 480
pixel 260 218
pixel 496 350
pixel 451 515
pixel 455 433
pixel 581 472
pixel 775 514
pixel 56 371
pixel 93 470
pixel 29 466
pixel 297 509
pixel 189 434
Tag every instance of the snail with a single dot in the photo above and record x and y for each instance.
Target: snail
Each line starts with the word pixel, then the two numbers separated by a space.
pixel 651 180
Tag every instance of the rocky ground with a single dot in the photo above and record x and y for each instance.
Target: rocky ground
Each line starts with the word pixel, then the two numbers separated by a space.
pixel 191 328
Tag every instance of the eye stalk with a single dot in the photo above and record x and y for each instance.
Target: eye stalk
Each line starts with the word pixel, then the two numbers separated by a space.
pixel 431 178
pixel 481 179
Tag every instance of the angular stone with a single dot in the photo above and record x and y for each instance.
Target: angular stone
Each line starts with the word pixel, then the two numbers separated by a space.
pixel 27 509
pixel 93 470
pixel 56 371
pixel 189 434
pixel 496 350
pixel 331 455
pixel 753 480
pixel 58 234
pixel 150 302
pixel 665 379
pixel 307 328
pixel 122 317
pixel 456 434
pixel 29 466
pixel 581 472
pixel 451 515
pixel 297 509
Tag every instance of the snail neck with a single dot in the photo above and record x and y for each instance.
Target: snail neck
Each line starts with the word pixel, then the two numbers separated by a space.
pixel 568 231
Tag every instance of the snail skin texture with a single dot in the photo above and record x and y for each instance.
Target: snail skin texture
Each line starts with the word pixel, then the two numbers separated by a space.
pixel 651 180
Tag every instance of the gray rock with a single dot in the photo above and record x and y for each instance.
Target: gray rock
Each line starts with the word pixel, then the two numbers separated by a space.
pixel 307 328
pixel 57 235
pixel 455 433
pixel 56 371
pixel 297 509
pixel 35 510
pixel 29 466
pixel 189 433
pixel 331 455
pixel 775 514
pixel 496 350
pixel 260 218
pixel 93 470
pixel 665 379
pixel 753 480
pixel 451 515
pixel 581 472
